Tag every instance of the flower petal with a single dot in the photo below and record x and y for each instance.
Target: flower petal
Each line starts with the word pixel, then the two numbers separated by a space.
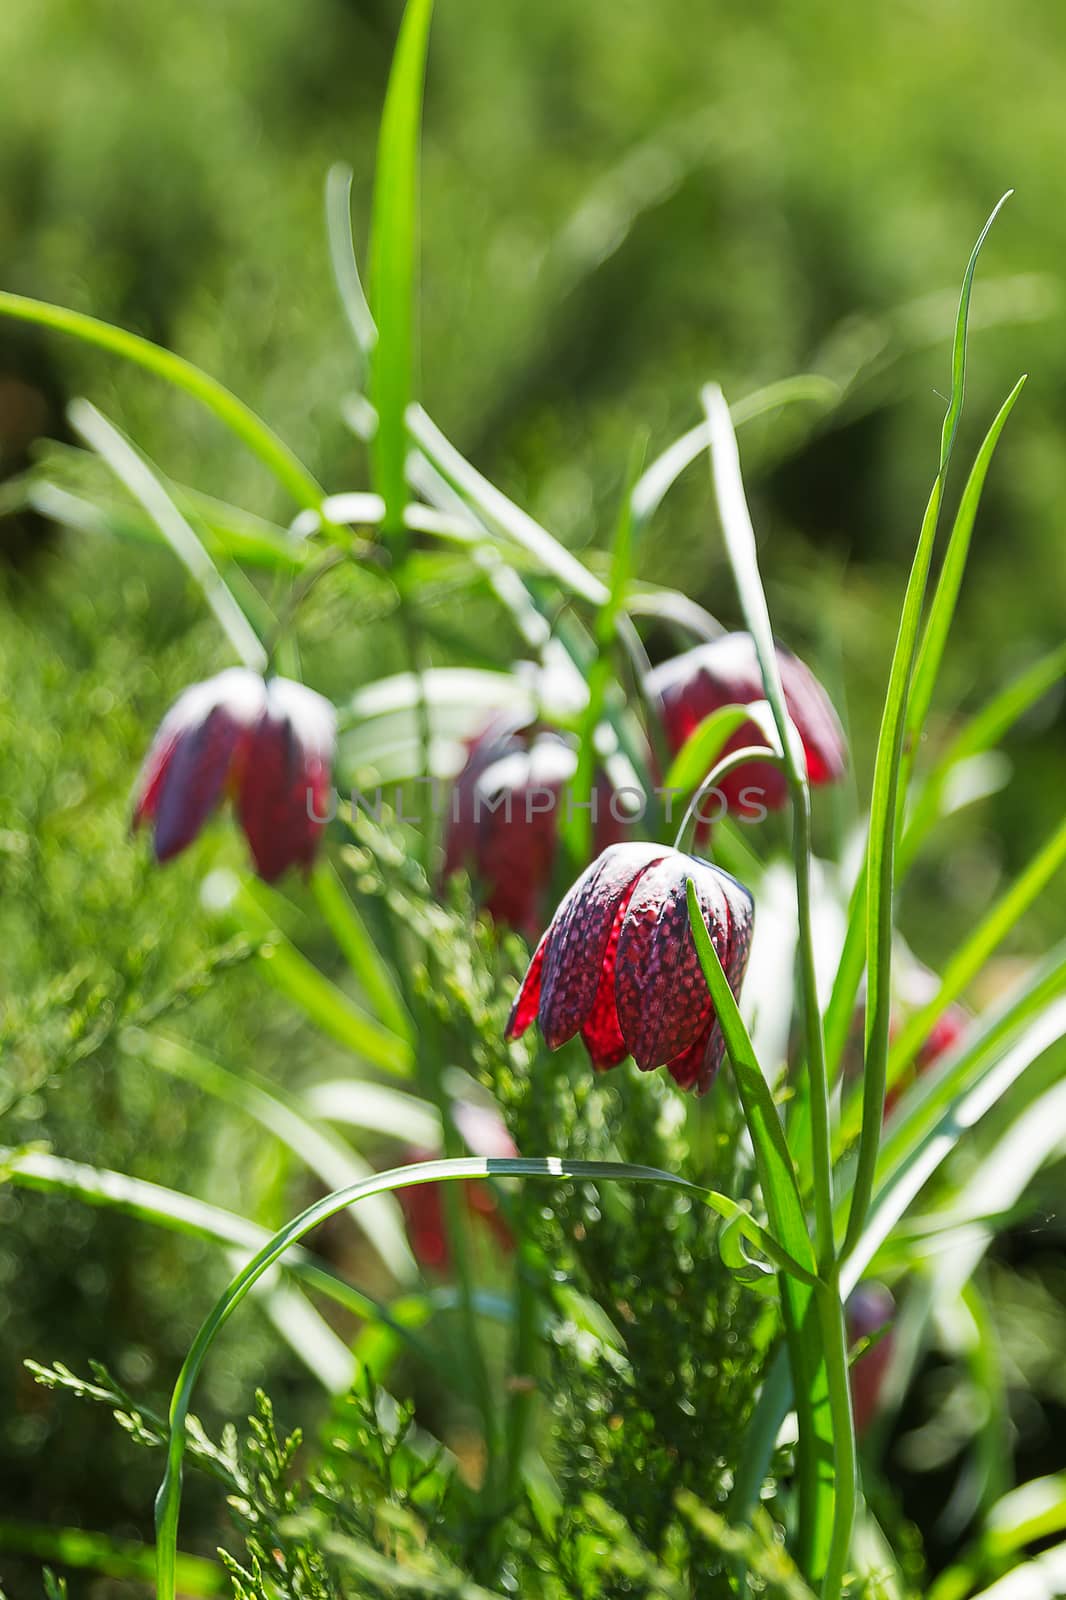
pixel 601 1032
pixel 528 997
pixel 661 995
pixel 580 931
pixel 662 999
pixel 285 778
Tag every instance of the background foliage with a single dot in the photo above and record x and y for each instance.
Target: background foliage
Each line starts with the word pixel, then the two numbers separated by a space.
pixel 617 204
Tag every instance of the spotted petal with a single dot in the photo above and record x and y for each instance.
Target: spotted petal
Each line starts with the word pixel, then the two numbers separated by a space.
pixel 580 932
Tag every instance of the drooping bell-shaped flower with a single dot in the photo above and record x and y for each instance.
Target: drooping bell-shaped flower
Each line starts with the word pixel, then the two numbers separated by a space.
pixel 618 963
pixel 504 815
pixel 869 1310
pixel 725 672
pixel 268 745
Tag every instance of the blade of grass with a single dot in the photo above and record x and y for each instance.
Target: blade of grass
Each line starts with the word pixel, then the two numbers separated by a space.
pixel 983 732
pixel 239 418
pixel 328 1007
pixel 361 953
pixel 965 965
pixel 393 252
pixel 322 1151
pixel 826 1428
pixel 112 1558
pixel 946 594
pixel 501 515
pixel 131 469
pixel 577 830
pixel 885 802
pixel 168 1503
pixel 345 266
pixel 907 1177
pixel 653 485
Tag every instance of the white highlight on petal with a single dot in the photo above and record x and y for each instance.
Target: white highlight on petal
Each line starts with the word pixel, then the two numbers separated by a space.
pixel 310 715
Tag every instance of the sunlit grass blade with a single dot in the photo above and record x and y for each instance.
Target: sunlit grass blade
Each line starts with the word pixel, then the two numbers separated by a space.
pixel 393 258
pixel 967 962
pixel 932 1095
pixel 886 796
pixel 946 593
pixel 323 1151
pixel 655 482
pixel 328 1007
pixel 703 747
pixel 816 1330
pixel 239 418
pixel 130 467
pixel 904 1179
pixel 826 1458
pixel 168 1504
pixel 501 515
pixel 361 953
pixel 226 533
pixel 345 266
pixel 983 732
pixel 577 828
pixel 123 1559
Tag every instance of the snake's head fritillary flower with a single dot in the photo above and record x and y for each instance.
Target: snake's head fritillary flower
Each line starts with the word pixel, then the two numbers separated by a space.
pixel 266 744
pixel 504 814
pixel 725 672
pixel 869 1310
pixel 618 963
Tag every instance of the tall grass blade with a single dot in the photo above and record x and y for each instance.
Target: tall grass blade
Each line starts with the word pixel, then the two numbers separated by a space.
pixel 130 467
pixel 885 803
pixel 393 252
pixel 946 594
pixel 345 266
pixel 238 417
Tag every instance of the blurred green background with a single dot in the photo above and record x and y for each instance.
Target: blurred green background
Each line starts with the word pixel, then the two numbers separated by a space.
pixel 621 201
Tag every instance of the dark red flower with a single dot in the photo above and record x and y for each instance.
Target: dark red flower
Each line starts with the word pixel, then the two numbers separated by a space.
pixel 725 672
pixel 870 1307
pixel 484 1134
pixel 619 965
pixel 268 745
pixel 504 814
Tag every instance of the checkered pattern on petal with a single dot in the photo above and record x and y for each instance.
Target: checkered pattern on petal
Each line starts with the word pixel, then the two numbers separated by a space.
pixel 601 1032
pixel 579 934
pixel 662 999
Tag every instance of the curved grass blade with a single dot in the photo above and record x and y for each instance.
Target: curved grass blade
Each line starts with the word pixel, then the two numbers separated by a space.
pixel 501 515
pixel 168 1503
pixel 322 1151
pixel 946 594
pixel 655 482
pixel 131 468
pixel 361 953
pixel 343 261
pixel 239 418
pixel 328 1007
pixel 905 1179
pixel 985 729
pixel 393 250
pixel 885 802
